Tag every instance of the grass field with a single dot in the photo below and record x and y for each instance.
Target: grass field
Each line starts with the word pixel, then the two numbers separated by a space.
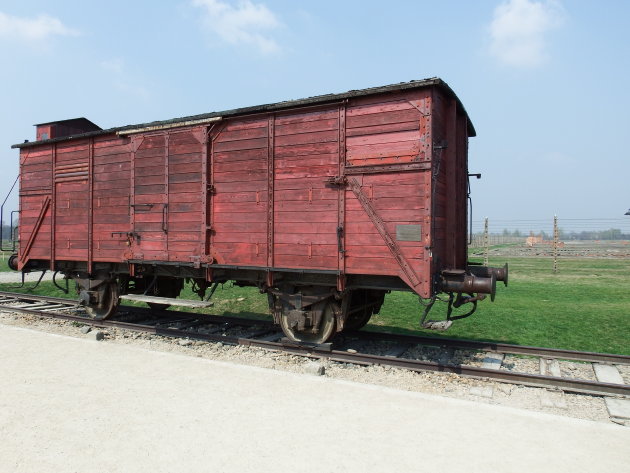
pixel 586 306
pixel 4 258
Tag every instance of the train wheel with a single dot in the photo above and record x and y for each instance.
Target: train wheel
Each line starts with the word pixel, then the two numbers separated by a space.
pixel 363 304
pixel 13 262
pixel 109 304
pixel 322 334
pixel 358 321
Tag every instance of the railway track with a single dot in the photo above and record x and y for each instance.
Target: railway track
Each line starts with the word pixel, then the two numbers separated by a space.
pixel 345 349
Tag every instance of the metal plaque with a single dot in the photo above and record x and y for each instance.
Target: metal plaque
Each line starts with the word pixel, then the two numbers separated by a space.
pixel 409 232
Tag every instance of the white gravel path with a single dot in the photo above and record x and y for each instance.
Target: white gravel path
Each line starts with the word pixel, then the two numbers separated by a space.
pixel 7 277
pixel 66 405
pixel 443 384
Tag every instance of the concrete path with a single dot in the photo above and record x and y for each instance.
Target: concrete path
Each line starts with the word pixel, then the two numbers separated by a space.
pixel 7 277
pixel 74 405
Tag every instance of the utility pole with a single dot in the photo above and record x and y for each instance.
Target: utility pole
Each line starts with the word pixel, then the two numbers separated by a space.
pixel 485 242
pixel 555 243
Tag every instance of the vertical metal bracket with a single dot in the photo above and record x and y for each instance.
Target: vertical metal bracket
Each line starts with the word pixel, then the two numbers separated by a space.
pixel 341 192
pixel 53 209
pixel 90 261
pixel 270 195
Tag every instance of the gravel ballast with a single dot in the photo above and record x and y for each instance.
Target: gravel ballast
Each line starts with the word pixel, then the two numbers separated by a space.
pixel 444 384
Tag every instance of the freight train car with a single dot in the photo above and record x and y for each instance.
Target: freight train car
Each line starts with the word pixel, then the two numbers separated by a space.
pixel 325 204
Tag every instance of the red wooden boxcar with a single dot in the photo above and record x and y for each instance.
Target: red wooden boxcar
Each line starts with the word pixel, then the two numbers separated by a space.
pixel 324 203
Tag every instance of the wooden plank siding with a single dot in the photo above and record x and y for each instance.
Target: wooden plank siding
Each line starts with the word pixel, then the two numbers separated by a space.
pixel 71 201
pixel 35 188
pixel 256 191
pixel 366 250
pixel 110 204
pixel 388 131
pixel 450 214
pixel 239 205
pixel 461 210
pixel 306 154
pixel 184 237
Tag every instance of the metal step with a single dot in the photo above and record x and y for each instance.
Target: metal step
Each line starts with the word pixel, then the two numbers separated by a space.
pixel 166 300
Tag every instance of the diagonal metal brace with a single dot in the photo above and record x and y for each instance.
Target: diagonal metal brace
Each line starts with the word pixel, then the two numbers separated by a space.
pixel 380 226
pixel 38 224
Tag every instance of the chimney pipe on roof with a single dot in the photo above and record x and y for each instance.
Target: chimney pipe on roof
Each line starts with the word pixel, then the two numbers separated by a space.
pixel 62 128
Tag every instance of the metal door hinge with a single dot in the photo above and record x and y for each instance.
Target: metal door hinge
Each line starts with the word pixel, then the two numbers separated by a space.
pixel 337 181
pixel 340 240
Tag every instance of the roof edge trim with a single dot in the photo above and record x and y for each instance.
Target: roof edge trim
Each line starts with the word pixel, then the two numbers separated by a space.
pixel 167 126
pixel 267 108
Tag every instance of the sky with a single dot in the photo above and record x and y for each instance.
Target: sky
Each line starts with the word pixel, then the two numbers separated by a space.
pixel 545 82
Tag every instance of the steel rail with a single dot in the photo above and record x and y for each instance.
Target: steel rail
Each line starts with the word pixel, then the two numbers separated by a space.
pixel 33 297
pixel 565 384
pixel 505 348
pixel 497 347
pixel 315 351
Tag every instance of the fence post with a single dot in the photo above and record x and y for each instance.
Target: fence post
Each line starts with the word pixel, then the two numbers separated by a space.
pixel 485 242
pixel 555 243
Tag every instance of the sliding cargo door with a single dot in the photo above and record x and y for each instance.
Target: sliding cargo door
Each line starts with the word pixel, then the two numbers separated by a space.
pixel 70 202
pixel 111 172
pixel 239 176
pixel 186 151
pixel 36 183
pixel 305 205
pixel 149 205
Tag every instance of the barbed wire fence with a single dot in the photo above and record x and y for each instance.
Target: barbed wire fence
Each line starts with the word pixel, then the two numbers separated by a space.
pixel 552 237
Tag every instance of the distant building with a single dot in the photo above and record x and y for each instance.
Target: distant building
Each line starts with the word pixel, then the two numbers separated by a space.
pixel 532 240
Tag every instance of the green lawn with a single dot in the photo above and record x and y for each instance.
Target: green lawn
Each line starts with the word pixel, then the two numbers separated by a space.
pixel 586 306
pixel 4 258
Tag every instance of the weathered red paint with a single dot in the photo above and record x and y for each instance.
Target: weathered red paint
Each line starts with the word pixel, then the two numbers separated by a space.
pixel 255 190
